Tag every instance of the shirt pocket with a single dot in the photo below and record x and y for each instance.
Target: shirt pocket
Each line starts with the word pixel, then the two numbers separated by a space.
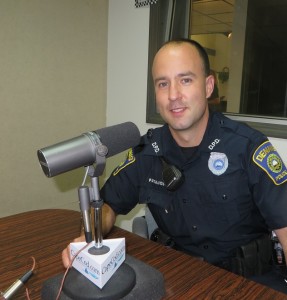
pixel 218 202
pixel 158 197
pixel 228 200
pixel 163 206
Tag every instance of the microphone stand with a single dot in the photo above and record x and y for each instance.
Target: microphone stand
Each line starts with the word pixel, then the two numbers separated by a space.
pixel 124 279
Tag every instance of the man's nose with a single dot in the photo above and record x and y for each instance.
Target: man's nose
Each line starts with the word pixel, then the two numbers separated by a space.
pixel 174 91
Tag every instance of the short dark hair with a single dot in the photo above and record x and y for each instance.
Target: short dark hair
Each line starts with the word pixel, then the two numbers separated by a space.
pixel 201 51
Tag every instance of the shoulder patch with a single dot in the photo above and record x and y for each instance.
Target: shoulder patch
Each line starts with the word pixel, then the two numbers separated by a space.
pixel 129 160
pixel 267 158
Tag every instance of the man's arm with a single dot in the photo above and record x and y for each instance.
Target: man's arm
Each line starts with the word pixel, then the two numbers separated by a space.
pixel 282 236
pixel 108 221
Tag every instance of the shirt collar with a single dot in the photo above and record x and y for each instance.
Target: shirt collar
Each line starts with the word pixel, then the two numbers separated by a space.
pixel 162 143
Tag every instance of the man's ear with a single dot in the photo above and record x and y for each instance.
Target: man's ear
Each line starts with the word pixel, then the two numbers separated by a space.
pixel 209 85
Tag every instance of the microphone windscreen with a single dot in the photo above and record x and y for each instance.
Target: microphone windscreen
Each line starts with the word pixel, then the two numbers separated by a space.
pixel 118 138
pixel 82 150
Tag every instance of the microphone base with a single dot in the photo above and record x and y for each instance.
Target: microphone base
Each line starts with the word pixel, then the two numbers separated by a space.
pixel 133 280
pixel 120 284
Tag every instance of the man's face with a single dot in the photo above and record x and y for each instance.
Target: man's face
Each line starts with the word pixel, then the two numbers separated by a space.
pixel 181 86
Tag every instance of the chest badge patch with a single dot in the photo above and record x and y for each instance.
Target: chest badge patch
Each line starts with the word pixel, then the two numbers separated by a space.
pixel 267 158
pixel 217 163
pixel 129 160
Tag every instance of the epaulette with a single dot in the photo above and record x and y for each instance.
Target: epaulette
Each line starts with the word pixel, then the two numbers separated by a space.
pixel 242 129
pixel 147 142
pixel 140 146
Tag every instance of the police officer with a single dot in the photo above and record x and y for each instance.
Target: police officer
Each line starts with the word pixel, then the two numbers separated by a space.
pixel 215 187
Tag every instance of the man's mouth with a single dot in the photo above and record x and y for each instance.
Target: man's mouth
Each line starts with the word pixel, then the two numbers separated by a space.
pixel 177 110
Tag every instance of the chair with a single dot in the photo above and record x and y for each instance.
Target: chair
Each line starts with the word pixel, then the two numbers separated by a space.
pixel 145 225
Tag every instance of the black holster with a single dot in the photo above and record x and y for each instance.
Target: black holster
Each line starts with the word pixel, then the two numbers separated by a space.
pixel 254 258
pixel 162 238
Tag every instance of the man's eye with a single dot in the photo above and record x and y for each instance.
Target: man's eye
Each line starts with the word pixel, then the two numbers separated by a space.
pixel 186 80
pixel 162 84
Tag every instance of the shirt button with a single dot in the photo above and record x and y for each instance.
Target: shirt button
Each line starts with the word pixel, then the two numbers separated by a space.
pixel 205 247
pixel 224 197
pixel 194 227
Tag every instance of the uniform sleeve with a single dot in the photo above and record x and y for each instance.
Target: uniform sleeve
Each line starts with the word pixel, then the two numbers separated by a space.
pixel 268 176
pixel 120 191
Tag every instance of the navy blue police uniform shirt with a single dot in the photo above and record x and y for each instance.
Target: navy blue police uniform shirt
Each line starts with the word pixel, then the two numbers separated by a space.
pixel 235 188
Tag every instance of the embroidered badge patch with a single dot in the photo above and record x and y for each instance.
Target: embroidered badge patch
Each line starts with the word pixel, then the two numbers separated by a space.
pixel 129 160
pixel 267 158
pixel 217 163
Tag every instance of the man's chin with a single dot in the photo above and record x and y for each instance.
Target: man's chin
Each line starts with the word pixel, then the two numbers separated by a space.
pixel 177 127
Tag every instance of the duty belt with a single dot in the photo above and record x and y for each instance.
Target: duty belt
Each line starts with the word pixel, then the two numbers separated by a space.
pixel 254 258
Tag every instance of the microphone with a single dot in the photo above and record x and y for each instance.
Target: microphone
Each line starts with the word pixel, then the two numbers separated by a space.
pixel 83 150
pixel 84 197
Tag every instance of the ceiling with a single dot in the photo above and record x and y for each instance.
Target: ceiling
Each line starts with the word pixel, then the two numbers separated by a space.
pixel 216 16
pixel 212 16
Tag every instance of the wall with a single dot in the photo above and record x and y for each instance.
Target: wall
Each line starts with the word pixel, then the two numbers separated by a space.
pixel 53 58
pixel 127 76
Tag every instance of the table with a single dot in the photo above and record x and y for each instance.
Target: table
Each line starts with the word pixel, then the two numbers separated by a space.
pixel 43 234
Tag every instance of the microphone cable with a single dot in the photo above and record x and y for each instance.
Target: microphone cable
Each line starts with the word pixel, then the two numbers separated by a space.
pixel 68 268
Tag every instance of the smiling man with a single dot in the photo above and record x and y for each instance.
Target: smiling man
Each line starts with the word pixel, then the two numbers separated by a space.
pixel 202 175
